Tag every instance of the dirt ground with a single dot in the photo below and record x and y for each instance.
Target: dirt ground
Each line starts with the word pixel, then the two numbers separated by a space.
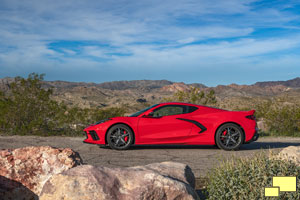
pixel 200 158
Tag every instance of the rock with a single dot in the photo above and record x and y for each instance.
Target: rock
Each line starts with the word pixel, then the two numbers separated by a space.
pixel 175 87
pixel 175 170
pixel 29 168
pixel 13 190
pixel 291 153
pixel 141 100
pixel 262 125
pixel 155 181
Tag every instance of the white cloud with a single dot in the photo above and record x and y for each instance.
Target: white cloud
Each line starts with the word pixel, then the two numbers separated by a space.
pixel 95 51
pixel 186 40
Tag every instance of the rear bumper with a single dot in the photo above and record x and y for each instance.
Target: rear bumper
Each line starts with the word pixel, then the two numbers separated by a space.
pixel 254 138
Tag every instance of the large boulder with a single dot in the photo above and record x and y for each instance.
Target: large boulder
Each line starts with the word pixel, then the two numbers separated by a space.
pixel 291 153
pixel 175 170
pixel 24 171
pixel 166 180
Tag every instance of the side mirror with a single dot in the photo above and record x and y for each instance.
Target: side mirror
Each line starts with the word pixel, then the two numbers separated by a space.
pixel 150 115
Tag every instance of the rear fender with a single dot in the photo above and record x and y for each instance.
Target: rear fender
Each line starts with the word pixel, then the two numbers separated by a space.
pixel 231 123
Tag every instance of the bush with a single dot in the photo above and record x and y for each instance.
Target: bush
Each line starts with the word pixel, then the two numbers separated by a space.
pixel 5 104
pixel 99 114
pixel 247 178
pixel 284 120
pixel 194 95
pixel 281 118
pixel 27 109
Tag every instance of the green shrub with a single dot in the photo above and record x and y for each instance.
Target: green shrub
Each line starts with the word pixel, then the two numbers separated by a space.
pixel 247 178
pixel 99 114
pixel 5 104
pixel 194 95
pixel 281 118
pixel 284 120
pixel 29 110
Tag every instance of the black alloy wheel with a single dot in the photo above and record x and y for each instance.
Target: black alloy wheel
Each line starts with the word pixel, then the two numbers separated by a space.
pixel 119 137
pixel 229 137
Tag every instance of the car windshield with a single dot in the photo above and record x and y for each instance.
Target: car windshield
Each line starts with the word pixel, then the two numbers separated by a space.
pixel 141 111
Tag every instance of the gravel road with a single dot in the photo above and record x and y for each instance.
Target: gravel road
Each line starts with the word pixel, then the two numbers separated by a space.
pixel 199 158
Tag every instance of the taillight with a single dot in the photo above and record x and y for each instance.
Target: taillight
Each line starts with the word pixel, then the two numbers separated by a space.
pixel 252 117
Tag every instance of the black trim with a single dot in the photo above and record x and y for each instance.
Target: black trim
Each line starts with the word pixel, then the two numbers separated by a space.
pixel 94 135
pixel 86 135
pixel 203 128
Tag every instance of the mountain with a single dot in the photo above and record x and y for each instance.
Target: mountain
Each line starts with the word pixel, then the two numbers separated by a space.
pixel 293 83
pixel 137 84
pixel 153 91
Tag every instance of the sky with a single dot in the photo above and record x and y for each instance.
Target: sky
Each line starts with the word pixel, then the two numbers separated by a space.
pixel 193 41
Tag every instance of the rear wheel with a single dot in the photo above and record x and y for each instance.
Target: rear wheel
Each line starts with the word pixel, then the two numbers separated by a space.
pixel 119 137
pixel 229 137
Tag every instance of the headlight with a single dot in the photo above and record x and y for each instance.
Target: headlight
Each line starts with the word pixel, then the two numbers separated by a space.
pixel 102 121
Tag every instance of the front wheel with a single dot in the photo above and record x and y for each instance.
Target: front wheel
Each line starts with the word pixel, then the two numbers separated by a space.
pixel 119 137
pixel 229 137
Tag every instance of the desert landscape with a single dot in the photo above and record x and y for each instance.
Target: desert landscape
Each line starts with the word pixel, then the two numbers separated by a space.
pixel 135 93
pixel 75 74
pixel 132 96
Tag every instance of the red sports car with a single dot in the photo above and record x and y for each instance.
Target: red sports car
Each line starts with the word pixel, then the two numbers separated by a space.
pixel 176 123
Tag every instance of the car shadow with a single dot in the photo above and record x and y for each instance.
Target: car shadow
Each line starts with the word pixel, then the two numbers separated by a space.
pixel 164 146
pixel 268 145
pixel 201 194
pixel 244 147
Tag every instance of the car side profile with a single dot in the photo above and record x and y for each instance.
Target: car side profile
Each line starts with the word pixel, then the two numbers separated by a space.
pixel 176 123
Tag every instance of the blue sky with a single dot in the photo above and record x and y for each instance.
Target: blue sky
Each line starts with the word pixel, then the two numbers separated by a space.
pixel 211 42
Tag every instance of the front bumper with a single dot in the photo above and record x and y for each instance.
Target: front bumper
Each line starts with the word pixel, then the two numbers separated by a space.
pixel 92 137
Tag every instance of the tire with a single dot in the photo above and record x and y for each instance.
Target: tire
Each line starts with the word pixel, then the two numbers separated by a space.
pixel 119 137
pixel 229 137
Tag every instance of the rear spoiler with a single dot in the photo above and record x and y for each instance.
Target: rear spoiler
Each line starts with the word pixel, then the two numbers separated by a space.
pixel 250 115
pixel 251 112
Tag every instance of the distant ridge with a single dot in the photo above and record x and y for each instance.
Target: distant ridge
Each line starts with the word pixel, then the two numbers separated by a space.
pixel 147 84
pixel 294 83
pixel 135 84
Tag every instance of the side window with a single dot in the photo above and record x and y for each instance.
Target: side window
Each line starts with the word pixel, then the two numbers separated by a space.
pixel 170 110
pixel 192 109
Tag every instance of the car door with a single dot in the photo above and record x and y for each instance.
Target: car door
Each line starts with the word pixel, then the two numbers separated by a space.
pixel 163 127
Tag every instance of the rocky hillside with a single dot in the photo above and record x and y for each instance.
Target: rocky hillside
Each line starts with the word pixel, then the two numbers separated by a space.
pixel 152 91
pixel 293 83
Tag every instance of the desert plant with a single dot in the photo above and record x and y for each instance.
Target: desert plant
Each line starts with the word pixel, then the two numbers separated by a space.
pixel 99 114
pixel 281 118
pixel 29 110
pixel 194 95
pixel 5 104
pixel 284 120
pixel 244 178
